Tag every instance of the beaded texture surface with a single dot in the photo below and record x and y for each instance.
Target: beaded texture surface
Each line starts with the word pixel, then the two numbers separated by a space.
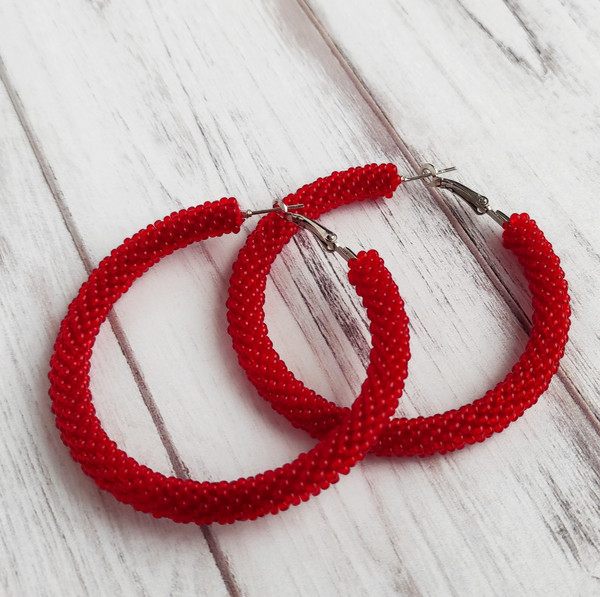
pixel 420 436
pixel 185 500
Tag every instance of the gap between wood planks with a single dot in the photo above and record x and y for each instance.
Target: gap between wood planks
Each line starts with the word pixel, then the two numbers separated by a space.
pixel 461 231
pixel 179 467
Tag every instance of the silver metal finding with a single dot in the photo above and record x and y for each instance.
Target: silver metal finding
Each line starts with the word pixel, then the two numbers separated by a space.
pixel 327 238
pixel 278 206
pixel 428 171
pixel 479 203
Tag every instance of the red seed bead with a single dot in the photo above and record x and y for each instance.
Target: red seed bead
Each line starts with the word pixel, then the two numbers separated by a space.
pixel 422 436
pixel 244 499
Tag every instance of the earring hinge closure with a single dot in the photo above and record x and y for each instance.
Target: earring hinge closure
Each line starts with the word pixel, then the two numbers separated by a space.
pixel 478 203
pixel 327 238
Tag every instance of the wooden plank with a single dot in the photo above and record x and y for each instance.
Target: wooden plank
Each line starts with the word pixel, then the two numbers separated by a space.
pixel 57 534
pixel 134 109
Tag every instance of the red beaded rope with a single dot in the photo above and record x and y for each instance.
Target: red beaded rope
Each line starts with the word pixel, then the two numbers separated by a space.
pixel 224 502
pixel 421 436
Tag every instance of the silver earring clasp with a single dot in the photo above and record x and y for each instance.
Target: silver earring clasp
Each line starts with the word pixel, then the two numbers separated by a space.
pixel 327 238
pixel 479 203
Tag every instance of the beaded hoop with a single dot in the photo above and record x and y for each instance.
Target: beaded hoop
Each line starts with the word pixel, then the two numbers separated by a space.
pixel 224 502
pixel 421 436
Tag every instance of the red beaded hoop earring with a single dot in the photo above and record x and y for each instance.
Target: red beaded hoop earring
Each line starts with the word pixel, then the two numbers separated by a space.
pixel 421 436
pixel 224 502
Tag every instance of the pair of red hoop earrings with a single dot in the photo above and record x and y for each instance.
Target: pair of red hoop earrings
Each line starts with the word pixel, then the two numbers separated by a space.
pixel 345 434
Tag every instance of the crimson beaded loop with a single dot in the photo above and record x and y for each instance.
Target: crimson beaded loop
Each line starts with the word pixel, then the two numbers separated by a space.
pixel 421 436
pixel 247 498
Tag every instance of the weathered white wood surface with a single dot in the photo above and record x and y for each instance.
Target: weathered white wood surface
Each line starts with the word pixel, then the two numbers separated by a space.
pixel 115 113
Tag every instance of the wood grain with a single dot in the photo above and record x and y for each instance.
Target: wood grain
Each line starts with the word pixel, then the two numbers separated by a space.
pixel 50 542
pixel 117 114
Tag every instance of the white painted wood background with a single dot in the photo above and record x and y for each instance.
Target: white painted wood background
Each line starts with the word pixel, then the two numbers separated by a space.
pixel 113 114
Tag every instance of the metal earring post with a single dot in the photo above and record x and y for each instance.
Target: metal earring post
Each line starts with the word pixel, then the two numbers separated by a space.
pixel 278 206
